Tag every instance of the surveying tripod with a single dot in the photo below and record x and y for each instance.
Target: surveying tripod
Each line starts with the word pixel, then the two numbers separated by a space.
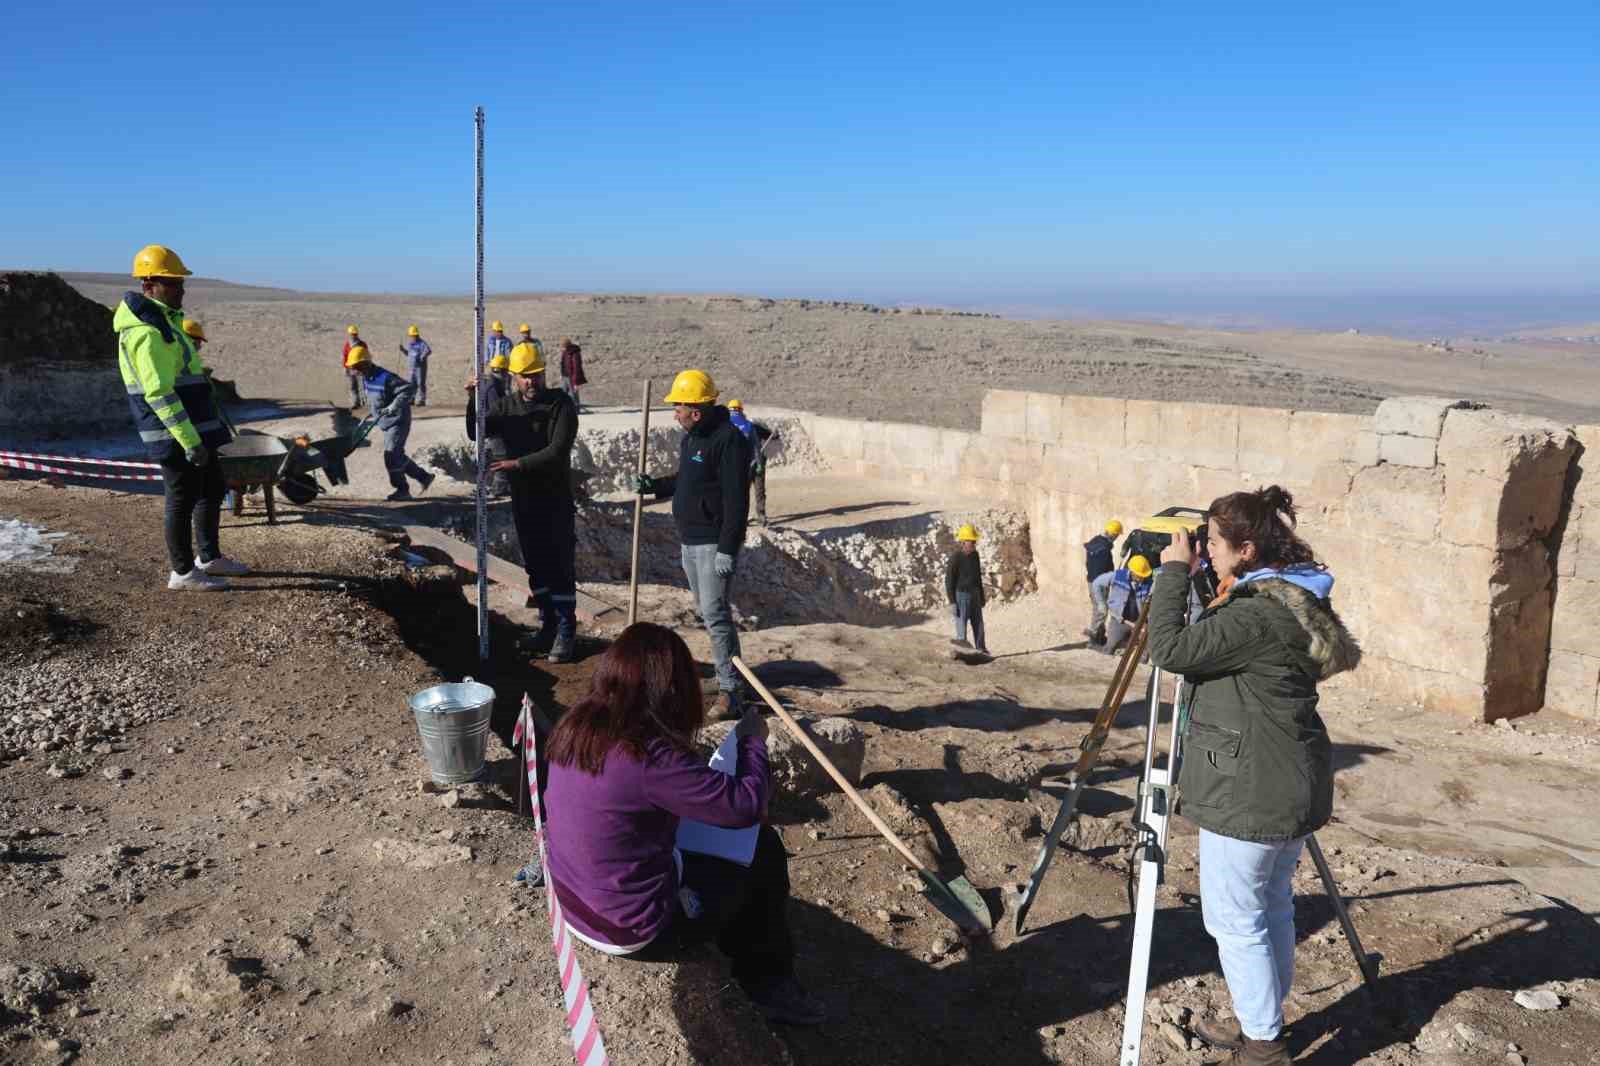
pixel 1152 813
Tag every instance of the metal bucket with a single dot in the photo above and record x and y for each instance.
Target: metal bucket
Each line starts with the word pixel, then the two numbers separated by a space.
pixel 453 722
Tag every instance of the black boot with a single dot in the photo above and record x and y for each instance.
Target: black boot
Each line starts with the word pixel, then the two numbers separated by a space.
pixel 565 647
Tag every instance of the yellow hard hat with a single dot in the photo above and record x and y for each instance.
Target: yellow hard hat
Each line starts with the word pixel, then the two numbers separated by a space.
pixel 1113 528
pixel 736 405
pixel 158 261
pixel 497 327
pixel 1139 567
pixel 413 331
pixel 967 532
pixel 194 329
pixel 357 356
pixel 500 362
pixel 692 386
pixel 524 328
pixel 352 330
pixel 527 358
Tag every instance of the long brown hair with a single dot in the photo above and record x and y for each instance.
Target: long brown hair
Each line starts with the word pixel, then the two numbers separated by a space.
pixel 645 687
pixel 1264 518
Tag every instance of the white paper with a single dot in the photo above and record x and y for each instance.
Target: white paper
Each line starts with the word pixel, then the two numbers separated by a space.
pixel 735 845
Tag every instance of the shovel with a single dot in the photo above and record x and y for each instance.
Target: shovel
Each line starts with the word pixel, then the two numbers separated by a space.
pixel 957 900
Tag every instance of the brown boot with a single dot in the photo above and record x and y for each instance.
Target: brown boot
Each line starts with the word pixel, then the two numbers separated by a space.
pixel 1261 1053
pixel 1220 1034
pixel 724 707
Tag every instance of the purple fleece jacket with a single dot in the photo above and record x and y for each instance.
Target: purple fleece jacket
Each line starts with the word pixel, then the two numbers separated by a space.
pixel 611 834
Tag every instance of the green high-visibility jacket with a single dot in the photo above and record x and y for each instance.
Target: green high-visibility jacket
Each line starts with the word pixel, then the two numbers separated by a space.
pixel 168 392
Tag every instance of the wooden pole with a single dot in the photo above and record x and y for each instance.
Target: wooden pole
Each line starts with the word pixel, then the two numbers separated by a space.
pixel 638 507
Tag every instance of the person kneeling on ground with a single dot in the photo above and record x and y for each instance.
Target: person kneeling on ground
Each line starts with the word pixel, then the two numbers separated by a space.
pixel 1258 774
pixel 1118 597
pixel 623 771
pixel 963 588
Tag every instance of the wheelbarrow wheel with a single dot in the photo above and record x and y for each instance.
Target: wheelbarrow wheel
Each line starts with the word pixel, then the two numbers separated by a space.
pixel 299 488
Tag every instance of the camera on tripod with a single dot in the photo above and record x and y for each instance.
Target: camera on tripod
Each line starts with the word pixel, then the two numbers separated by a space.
pixel 1152 535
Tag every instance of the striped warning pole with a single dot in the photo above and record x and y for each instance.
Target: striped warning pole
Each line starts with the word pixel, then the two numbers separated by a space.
pixel 587 1046
pixel 47 468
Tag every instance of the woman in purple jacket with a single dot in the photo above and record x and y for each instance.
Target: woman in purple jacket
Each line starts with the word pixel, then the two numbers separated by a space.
pixel 623 771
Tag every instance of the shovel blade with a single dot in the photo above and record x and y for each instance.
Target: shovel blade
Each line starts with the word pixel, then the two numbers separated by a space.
pixel 959 901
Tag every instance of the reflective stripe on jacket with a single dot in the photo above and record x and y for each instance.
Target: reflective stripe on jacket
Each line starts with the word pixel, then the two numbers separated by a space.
pixel 170 397
pixel 1122 591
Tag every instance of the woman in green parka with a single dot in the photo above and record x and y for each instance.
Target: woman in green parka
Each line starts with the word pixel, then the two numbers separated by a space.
pixel 1257 771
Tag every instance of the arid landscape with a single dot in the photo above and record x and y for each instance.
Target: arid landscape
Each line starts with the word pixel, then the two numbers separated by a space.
pixel 226 851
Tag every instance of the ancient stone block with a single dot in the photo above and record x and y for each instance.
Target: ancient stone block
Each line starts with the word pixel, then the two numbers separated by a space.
pixel 1413 416
pixel 1005 413
pixel 1364 449
pixel 1141 426
pixel 1093 420
pixel 1508 446
pixel 1577 610
pixel 1267 446
pixel 1396 501
pixel 1201 433
pixel 1043 417
pixel 1572 684
pixel 1407 451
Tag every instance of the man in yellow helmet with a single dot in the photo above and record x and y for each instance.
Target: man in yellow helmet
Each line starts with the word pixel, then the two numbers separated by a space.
pixel 176 414
pixel 390 399
pixel 963 589
pixel 1118 597
pixel 497 343
pixel 1098 559
pixel 710 504
pixel 538 426
pixel 352 339
pixel 416 350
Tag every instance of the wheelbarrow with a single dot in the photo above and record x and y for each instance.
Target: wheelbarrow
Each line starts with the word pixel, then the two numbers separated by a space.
pixel 328 454
pixel 252 461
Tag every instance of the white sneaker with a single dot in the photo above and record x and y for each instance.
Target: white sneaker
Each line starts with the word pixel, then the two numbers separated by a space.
pixel 222 566
pixel 196 581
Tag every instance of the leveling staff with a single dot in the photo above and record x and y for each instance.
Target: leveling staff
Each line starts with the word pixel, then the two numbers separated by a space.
pixel 1257 773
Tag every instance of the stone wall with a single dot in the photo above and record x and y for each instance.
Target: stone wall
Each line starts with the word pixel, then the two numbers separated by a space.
pixel 1574 682
pixel 58 363
pixel 1439 519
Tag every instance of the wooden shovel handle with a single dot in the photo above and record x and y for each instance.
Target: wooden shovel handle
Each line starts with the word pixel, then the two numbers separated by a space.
pixel 826 764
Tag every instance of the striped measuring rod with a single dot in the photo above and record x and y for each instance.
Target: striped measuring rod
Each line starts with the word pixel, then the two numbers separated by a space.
pixel 587 1045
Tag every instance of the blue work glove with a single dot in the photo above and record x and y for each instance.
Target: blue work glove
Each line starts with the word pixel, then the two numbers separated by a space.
pixel 644 484
pixel 724 565
pixel 199 455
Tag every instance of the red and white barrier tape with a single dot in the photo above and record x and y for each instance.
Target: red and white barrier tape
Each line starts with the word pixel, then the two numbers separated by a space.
pixel 587 1046
pixel 43 468
pixel 78 459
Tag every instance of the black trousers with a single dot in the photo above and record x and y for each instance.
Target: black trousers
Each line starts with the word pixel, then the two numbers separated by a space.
pixel 546 533
pixel 194 500
pixel 744 911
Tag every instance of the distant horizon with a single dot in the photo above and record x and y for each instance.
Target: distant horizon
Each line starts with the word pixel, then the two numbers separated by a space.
pixel 1453 312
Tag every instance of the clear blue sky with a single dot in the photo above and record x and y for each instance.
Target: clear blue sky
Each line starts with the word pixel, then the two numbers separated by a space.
pixel 880 150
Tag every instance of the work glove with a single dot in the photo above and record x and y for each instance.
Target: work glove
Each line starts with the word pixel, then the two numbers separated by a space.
pixel 199 455
pixel 644 484
pixel 751 724
pixel 724 565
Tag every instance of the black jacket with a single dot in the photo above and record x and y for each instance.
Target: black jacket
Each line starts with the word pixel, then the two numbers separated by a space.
pixel 964 573
pixel 538 434
pixel 711 490
pixel 1097 557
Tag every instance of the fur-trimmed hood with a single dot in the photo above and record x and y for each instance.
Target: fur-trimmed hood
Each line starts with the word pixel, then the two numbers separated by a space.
pixel 1331 647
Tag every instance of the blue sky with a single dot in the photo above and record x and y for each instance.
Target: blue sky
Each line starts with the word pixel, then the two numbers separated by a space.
pixel 876 150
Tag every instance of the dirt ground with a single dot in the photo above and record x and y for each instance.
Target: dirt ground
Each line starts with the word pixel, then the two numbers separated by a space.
pixel 854 359
pixel 233 859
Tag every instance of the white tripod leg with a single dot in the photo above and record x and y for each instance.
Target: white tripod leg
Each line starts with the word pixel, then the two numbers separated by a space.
pixel 1154 808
